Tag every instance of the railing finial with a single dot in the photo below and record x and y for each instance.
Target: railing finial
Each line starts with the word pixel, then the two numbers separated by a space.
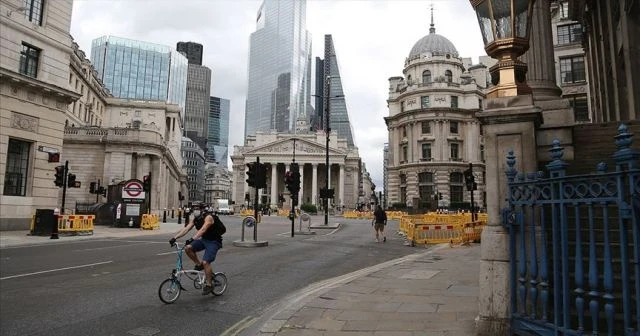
pixel 557 166
pixel 511 172
pixel 625 155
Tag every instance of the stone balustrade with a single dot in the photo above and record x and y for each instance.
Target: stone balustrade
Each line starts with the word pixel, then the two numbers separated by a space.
pixel 113 135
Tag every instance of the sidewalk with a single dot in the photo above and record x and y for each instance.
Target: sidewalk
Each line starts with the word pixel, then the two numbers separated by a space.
pixel 433 293
pixel 22 237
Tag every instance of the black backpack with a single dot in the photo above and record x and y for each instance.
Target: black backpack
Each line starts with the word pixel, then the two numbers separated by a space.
pixel 218 226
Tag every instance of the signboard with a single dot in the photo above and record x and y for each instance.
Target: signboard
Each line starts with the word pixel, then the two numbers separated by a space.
pixel 133 190
pixel 133 210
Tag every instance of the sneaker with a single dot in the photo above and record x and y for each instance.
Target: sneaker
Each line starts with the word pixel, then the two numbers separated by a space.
pixel 384 239
pixel 206 289
pixel 198 267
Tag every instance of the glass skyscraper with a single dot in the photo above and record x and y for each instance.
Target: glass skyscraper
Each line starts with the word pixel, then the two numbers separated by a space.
pixel 218 130
pixel 338 114
pixel 140 70
pixel 279 79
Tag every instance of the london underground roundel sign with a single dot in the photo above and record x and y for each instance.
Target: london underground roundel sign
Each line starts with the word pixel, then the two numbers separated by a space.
pixel 133 189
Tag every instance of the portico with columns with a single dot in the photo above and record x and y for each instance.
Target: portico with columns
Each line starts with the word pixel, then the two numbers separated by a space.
pixel 276 151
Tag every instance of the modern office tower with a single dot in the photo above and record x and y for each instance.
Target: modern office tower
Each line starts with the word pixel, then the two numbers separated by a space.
pixel 191 50
pixel 140 70
pixel 196 117
pixel 218 131
pixel 338 114
pixel 317 118
pixel 279 82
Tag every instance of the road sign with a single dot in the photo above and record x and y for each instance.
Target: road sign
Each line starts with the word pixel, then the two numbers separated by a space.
pixel 133 190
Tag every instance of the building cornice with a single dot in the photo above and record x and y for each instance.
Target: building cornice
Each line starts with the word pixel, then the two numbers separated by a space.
pixel 18 79
pixel 36 31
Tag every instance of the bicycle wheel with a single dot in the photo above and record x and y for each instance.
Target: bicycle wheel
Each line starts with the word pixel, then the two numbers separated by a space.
pixel 219 284
pixel 169 291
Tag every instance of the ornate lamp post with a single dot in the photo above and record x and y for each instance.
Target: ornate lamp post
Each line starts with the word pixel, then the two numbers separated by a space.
pixel 505 27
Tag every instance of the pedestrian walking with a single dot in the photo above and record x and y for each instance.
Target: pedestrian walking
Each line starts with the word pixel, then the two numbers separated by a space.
pixel 379 222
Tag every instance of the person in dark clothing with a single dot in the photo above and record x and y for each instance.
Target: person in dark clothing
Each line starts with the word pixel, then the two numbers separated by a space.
pixel 208 237
pixel 379 222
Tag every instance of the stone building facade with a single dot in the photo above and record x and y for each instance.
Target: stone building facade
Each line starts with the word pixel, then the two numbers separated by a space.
pixel 217 183
pixel 34 93
pixel 193 161
pixel 141 137
pixel 90 109
pixel 433 132
pixel 276 150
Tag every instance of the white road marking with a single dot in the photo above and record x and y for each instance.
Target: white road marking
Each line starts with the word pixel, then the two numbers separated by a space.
pixel 55 270
pixel 165 253
pixel 107 247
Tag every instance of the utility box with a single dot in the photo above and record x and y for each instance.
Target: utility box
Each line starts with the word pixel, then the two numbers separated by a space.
pixel 44 222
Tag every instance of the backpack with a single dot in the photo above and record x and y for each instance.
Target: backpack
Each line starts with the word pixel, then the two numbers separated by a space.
pixel 218 226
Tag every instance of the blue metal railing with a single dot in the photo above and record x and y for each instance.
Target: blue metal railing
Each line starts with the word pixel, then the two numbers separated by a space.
pixel 573 270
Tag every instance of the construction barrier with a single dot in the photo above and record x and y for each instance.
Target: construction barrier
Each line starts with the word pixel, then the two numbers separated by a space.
pixel 150 222
pixel 436 228
pixel 249 212
pixel 75 223
pixel 391 215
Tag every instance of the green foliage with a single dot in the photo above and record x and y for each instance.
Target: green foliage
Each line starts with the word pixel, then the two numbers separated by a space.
pixel 309 208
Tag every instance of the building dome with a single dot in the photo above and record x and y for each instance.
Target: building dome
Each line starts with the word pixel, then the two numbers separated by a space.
pixel 435 44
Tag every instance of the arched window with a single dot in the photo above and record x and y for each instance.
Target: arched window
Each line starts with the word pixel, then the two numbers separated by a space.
pixel 426 76
pixel 449 76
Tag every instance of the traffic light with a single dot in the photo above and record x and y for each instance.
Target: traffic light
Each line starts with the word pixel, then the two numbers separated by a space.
pixel 469 179
pixel 288 180
pixel 59 181
pixel 251 174
pixel 146 183
pixel 71 181
pixel 54 157
pixel 293 184
pixel 92 188
pixel 102 191
pixel 261 176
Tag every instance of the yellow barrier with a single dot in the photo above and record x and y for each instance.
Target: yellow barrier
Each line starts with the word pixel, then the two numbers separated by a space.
pixel 150 222
pixel 438 234
pixel 75 223
pixel 246 212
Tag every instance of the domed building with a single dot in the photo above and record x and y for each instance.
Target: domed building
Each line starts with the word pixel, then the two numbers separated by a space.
pixel 433 132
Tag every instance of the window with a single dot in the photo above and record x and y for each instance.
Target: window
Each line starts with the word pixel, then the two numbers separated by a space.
pixel 15 178
pixel 580 107
pixel 33 10
pixel 572 69
pixel 29 57
pixel 401 106
pixel 426 77
pixel 455 185
pixel 426 151
pixel 426 127
pixel 404 154
pixel 449 76
pixel 403 195
pixel 455 149
pixel 564 9
pixel 424 102
pixel 453 127
pixel 571 33
pixel 425 177
pixel 454 101
pixel 404 131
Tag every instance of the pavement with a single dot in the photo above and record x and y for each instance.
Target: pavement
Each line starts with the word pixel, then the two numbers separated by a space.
pixel 433 292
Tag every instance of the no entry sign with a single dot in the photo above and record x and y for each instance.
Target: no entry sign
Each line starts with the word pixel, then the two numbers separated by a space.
pixel 133 189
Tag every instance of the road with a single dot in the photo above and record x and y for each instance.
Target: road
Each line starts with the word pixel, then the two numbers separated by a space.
pixel 109 286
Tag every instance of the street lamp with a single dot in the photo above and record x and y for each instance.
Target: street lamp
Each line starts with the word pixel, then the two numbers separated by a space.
pixel 505 27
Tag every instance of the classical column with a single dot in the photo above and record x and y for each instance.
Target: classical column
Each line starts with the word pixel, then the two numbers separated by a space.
pixel 274 183
pixel 509 127
pixel 245 186
pixel 140 171
pixel 301 193
pixel 314 184
pixel 156 194
pixel 341 185
pixel 541 73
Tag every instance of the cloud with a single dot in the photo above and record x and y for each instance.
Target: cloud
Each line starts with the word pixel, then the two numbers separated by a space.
pixel 372 39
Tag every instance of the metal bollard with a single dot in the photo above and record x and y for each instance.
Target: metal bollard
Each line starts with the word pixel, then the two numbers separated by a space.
pixel 164 216
pixel 173 213
pixel 179 217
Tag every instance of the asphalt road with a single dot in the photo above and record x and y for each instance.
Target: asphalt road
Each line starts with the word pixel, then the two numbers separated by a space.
pixel 109 286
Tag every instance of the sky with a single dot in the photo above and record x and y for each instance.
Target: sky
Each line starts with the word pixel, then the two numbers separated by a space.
pixel 372 38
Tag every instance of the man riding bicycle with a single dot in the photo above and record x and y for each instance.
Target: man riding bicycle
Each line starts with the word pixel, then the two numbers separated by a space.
pixel 208 237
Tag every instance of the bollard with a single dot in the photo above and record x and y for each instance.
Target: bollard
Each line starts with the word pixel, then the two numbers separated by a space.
pixel 164 216
pixel 173 213
pixel 179 217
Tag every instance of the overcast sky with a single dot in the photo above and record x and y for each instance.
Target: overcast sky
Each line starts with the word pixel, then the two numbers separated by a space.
pixel 372 39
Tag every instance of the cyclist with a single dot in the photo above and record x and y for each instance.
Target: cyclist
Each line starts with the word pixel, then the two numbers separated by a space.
pixel 208 237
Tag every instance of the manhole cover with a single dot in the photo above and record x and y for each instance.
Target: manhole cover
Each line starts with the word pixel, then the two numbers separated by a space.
pixel 144 331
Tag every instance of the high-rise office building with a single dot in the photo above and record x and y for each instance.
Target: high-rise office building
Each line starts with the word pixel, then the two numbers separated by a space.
pixel 196 115
pixel 140 70
pixel 317 119
pixel 218 130
pixel 279 80
pixel 337 105
pixel 191 50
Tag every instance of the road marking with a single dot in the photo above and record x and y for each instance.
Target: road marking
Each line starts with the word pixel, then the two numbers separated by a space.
pixel 239 326
pixel 165 253
pixel 334 231
pixel 56 270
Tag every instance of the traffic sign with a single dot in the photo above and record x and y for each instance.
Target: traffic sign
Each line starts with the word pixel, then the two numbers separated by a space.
pixel 133 190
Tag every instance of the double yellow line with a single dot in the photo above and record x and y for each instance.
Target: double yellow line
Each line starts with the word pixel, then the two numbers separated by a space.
pixel 241 325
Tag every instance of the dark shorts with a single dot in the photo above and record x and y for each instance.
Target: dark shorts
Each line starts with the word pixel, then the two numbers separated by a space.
pixel 378 226
pixel 211 248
